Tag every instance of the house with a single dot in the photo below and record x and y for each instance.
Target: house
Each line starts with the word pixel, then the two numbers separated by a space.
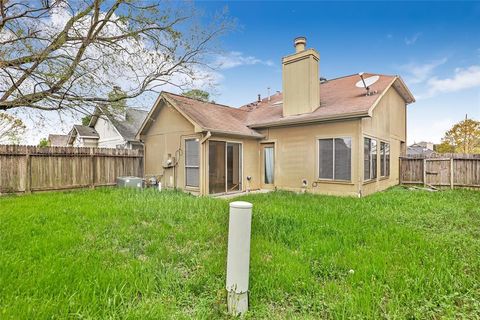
pixel 421 149
pixel 57 140
pixel 320 136
pixel 82 136
pixel 118 131
pixel 107 130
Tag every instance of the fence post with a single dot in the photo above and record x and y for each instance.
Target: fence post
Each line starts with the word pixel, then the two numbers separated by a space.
pixel 424 172
pixel 238 257
pixel 28 171
pixel 92 164
pixel 451 173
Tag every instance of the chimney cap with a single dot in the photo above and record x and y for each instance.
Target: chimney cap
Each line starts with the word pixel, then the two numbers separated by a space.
pixel 300 40
pixel 299 43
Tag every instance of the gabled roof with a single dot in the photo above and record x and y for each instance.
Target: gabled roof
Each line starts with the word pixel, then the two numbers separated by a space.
pixel 339 99
pixel 126 127
pixel 85 132
pixel 213 117
pixel 82 132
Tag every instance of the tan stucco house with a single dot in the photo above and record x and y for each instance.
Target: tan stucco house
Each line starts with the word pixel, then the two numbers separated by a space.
pixel 322 136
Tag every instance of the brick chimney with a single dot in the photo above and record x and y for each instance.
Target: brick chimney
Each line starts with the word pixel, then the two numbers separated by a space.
pixel 301 85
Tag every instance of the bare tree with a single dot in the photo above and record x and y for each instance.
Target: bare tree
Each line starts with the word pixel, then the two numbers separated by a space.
pixel 68 55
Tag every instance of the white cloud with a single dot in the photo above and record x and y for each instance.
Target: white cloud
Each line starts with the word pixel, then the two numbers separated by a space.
pixel 418 73
pixel 411 40
pixel 463 78
pixel 235 59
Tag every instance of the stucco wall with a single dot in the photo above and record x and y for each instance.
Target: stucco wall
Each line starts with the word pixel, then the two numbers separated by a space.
pixel 296 156
pixel 388 123
pixel 166 136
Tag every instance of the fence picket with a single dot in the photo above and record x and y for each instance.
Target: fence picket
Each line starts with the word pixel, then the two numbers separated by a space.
pixel 32 168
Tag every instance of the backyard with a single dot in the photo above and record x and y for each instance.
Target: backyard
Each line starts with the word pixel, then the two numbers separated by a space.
pixel 118 253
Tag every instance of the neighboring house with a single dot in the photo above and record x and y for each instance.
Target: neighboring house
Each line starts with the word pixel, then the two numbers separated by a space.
pixel 421 148
pixel 82 136
pixel 116 131
pixel 109 131
pixel 319 136
pixel 57 140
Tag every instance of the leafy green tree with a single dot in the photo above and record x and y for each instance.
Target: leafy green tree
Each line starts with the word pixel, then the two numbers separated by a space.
pixel 444 147
pixel 463 137
pixel 43 143
pixel 86 120
pixel 119 102
pixel 198 94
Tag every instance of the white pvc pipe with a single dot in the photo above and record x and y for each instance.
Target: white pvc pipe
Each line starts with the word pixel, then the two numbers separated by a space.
pixel 238 256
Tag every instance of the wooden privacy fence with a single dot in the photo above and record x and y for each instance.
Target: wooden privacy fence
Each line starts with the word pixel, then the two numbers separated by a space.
pixel 441 170
pixel 31 168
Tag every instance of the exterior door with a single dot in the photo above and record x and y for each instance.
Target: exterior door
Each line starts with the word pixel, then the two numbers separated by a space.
pixel 224 167
pixel 268 166
pixel 216 167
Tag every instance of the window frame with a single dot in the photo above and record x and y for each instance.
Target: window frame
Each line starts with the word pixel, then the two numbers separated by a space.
pixel 192 166
pixel 333 159
pixel 373 173
pixel 383 156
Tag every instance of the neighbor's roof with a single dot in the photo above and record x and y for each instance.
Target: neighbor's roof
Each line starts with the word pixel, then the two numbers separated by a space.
pixel 85 132
pixel 419 150
pixel 58 139
pixel 127 127
pixel 339 99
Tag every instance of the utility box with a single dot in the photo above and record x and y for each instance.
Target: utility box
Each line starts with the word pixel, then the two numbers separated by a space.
pixel 130 182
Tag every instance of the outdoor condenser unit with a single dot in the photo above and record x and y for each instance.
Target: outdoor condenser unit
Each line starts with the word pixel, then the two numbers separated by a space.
pixel 129 182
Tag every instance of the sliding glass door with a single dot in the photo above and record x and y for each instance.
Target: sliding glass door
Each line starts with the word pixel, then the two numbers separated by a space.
pixel 224 167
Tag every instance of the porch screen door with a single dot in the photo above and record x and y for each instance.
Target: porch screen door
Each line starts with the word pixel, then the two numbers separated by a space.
pixel 216 167
pixel 268 165
pixel 224 167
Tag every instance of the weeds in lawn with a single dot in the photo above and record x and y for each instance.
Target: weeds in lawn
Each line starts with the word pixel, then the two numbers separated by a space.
pixel 116 253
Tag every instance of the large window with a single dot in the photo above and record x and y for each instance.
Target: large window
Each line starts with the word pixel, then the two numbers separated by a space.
pixel 369 159
pixel 192 163
pixel 335 159
pixel 384 159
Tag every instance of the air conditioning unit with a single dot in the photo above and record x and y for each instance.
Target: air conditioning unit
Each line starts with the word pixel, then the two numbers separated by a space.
pixel 130 182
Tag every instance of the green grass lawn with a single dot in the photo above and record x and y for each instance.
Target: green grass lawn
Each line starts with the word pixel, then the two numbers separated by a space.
pixel 116 253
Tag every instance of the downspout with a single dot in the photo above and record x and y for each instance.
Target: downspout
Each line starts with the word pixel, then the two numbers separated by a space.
pixel 204 159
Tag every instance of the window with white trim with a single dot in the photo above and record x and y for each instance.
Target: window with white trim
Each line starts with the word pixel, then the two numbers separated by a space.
pixel 192 163
pixel 384 159
pixel 369 159
pixel 335 159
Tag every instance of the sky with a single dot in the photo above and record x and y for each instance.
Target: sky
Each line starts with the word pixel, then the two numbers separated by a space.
pixel 433 46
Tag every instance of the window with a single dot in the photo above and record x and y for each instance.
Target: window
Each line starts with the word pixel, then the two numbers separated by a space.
pixel 192 163
pixel 369 159
pixel 384 159
pixel 335 158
